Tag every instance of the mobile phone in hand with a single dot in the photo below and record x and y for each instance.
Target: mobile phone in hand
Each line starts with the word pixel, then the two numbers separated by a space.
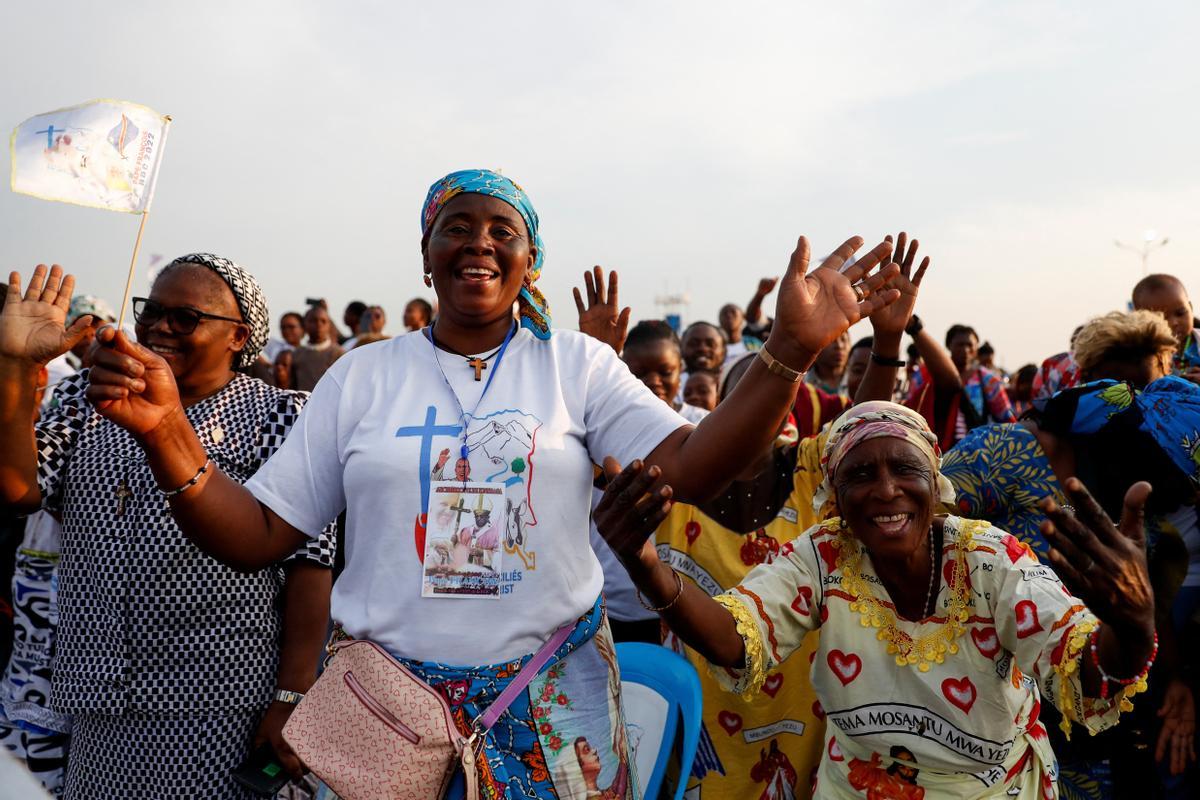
pixel 262 773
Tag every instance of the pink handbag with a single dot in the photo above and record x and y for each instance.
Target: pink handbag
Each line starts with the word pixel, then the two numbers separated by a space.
pixel 369 728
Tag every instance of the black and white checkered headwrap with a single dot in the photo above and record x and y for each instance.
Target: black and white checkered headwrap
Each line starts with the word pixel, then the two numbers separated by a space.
pixel 249 296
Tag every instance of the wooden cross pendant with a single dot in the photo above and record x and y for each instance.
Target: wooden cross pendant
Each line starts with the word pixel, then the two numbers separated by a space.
pixel 479 365
pixel 123 493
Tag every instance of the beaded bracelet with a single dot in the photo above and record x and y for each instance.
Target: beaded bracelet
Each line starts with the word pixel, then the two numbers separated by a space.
pixel 1105 678
pixel 674 600
pixel 195 479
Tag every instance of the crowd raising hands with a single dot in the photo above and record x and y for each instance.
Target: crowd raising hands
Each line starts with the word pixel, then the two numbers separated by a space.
pixel 991 564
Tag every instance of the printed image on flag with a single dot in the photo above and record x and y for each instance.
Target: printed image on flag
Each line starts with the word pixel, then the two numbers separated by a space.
pixel 104 154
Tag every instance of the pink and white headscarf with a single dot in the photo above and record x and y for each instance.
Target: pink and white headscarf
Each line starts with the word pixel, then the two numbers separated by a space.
pixel 875 420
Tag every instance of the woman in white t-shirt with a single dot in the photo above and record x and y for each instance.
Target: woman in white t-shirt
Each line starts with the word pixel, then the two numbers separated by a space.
pixel 478 421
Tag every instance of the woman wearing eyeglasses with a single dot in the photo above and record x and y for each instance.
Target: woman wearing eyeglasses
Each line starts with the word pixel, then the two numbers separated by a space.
pixel 166 657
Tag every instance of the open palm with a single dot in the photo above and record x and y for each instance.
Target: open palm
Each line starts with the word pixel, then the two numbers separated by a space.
pixel 603 318
pixel 33 327
pixel 894 318
pixel 814 308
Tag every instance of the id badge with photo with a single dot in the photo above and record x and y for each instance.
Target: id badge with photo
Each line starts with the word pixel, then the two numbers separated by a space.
pixel 464 540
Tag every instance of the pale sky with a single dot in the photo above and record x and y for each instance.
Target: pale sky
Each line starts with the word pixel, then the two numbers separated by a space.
pixel 686 145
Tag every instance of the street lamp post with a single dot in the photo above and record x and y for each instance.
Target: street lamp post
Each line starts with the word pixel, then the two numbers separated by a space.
pixel 1150 243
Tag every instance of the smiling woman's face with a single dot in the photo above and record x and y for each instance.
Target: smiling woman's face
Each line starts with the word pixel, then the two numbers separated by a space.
pixel 885 490
pixel 207 352
pixel 478 254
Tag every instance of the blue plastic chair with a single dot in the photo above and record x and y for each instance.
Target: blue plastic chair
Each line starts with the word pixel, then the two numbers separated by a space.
pixel 673 678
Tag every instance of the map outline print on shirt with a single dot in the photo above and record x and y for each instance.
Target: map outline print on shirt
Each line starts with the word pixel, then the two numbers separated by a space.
pixel 494 439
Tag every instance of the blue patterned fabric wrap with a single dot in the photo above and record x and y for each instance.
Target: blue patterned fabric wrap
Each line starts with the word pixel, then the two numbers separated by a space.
pixel 1000 473
pixel 1168 409
pixel 535 311
pixel 519 756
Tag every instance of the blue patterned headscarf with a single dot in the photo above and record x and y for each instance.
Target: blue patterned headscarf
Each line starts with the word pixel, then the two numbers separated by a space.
pixel 535 311
pixel 1168 409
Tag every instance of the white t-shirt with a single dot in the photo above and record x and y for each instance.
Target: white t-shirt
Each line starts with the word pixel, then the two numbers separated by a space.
pixel 370 437
pixel 692 414
pixel 735 350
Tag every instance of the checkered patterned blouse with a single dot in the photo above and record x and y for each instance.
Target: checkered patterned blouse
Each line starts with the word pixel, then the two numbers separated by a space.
pixel 148 622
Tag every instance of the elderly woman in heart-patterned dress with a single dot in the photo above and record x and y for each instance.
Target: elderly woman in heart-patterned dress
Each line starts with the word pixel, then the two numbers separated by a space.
pixel 940 635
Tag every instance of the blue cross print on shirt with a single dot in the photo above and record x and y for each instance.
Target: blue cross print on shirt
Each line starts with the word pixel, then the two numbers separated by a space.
pixel 508 446
pixel 50 131
pixel 427 431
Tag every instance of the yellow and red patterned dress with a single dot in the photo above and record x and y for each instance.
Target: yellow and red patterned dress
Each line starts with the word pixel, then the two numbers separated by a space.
pixel 767 746
pixel 942 707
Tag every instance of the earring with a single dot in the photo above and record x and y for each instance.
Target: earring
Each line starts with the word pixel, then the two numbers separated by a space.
pixel 428 280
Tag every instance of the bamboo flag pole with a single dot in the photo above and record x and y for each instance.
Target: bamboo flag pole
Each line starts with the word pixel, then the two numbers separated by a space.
pixel 137 244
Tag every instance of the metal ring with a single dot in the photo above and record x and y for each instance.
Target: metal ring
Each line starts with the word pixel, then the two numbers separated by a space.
pixel 859 292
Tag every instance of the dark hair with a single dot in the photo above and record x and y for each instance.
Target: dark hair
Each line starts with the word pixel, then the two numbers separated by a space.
pixel 698 324
pixel 987 349
pixel 958 330
pixel 1155 283
pixel 423 304
pixel 356 307
pixel 866 341
pixel 287 314
pixel 914 352
pixel 1027 372
pixel 651 331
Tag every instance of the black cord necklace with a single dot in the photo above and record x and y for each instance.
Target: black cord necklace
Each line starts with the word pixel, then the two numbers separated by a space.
pixel 477 363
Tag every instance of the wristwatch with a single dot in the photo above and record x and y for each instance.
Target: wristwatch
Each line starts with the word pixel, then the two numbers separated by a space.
pixel 288 696
pixel 914 325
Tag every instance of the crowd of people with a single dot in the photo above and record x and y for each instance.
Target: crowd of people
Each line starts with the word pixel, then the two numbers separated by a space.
pixel 899 570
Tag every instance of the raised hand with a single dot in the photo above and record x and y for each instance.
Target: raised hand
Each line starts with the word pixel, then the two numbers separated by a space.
pixel 814 308
pixel 33 327
pixel 131 385
pixel 630 512
pixel 766 286
pixel 600 318
pixel 1103 564
pixel 894 317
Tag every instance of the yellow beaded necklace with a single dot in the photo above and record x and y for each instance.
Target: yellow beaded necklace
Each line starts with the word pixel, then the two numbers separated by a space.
pixel 927 649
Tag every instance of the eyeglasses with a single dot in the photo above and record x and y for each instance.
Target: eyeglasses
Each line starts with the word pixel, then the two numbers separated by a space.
pixel 181 320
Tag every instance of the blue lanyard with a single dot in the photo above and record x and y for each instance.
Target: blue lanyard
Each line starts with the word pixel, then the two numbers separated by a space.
pixel 462 413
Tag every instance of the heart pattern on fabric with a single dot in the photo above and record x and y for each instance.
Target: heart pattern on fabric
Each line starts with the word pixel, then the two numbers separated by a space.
pixel 960 692
pixel 818 710
pixel 828 554
pixel 987 640
pixel 802 605
pixel 949 572
pixel 1027 619
pixel 731 722
pixel 835 752
pixel 1014 547
pixel 692 532
pixel 772 684
pixel 845 666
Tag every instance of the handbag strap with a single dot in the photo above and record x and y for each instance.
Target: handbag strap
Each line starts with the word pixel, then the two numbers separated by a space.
pixel 487 719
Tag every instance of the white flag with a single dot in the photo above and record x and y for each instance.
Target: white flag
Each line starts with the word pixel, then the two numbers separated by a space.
pixel 103 154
